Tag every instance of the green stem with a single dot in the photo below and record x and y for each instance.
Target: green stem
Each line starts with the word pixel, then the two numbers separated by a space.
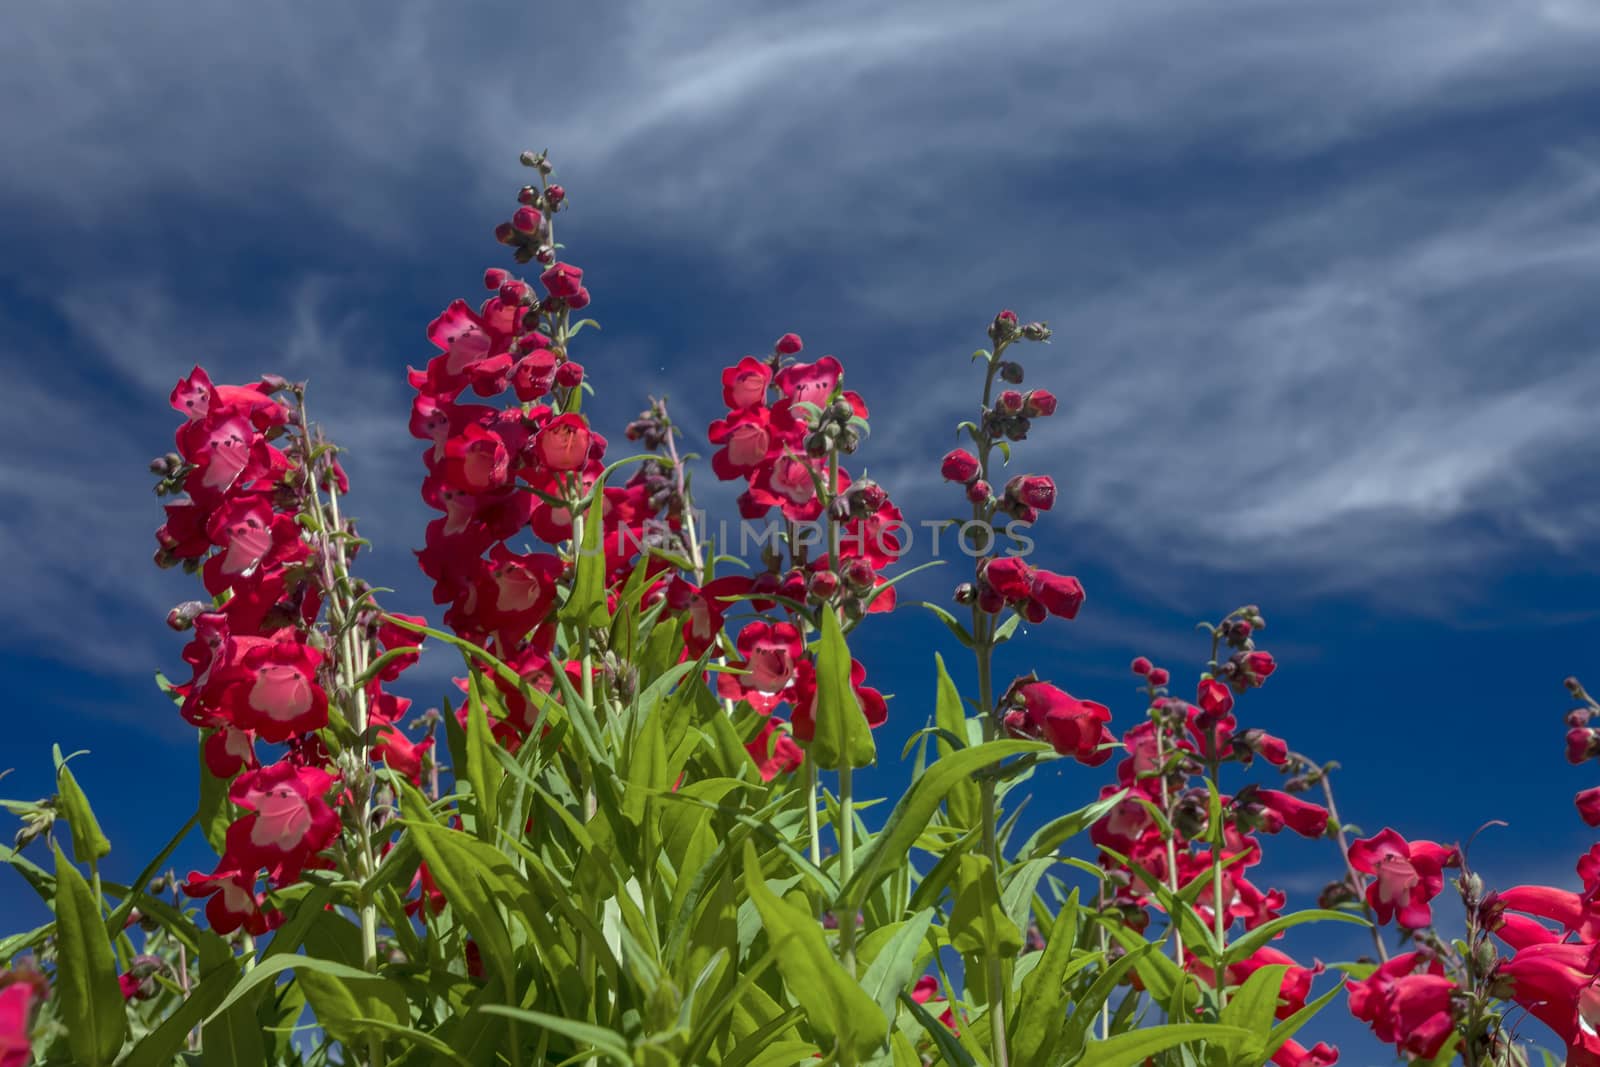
pixel 983 649
pixel 812 829
pixel 847 862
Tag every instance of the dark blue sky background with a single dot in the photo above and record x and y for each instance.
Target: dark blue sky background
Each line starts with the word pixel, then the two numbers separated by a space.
pixel 1322 280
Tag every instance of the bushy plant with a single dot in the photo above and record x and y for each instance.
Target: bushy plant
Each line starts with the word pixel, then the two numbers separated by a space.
pixel 635 837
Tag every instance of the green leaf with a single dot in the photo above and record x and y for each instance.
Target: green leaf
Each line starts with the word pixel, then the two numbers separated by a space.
pixel 964 802
pixel 1290 1026
pixel 896 962
pixel 949 1047
pixel 978 921
pixel 1252 1009
pixel 842 737
pixel 216 811
pixel 1041 1012
pixel 588 1037
pixel 344 1005
pixel 483 773
pixel 89 844
pixel 910 817
pixel 835 1003
pixel 1254 939
pixel 90 1002
pixel 1058 831
pixel 586 605
pixel 1134 1047
pixel 961 633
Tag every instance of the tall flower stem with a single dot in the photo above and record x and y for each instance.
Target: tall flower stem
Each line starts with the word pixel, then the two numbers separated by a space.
pixel 847 862
pixel 983 650
pixel 351 664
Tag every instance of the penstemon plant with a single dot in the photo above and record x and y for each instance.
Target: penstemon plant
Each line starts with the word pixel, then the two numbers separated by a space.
pixel 635 836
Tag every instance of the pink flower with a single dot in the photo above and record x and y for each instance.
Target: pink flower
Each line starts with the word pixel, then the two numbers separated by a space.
pixel 803 699
pixel 19 992
pixel 745 386
pixel 1405 875
pixel 1557 984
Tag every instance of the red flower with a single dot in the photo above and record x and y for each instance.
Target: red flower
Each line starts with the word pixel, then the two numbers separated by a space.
pixel 274 690
pixel 810 383
pixel 1409 1010
pixel 1293 1054
pixel 1557 984
pixel 803 698
pixel 290 821
pixel 1073 727
pixel 745 386
pixel 1405 875
pixel 233 902
pixel 774 751
pixel 1301 816
pixel 1588 802
pixel 563 443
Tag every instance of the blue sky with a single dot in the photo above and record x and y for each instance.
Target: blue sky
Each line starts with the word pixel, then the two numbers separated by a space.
pixel 1321 278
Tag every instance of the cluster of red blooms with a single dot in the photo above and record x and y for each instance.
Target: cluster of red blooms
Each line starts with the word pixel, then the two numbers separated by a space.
pixel 1166 755
pixel 261 668
pixel 496 471
pixel 787 424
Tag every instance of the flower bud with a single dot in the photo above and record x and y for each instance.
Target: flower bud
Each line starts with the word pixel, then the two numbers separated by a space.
pixel 1004 327
pixel 1035 490
pixel 505 234
pixel 182 617
pixel 824 584
pixel 1024 512
pixel 1017 429
pixel 525 220
pixel 859 575
pixel 839 509
pixel 849 441
pixel 816 445
pixel 1011 373
pixel 1036 331
pixel 959 465
pixel 579 300
pixel 569 374
pixel 990 601
pixel 1140 666
pixel 1010 402
pixel 788 344
pixel 966 593
pixel 528 195
pixel 554 194
pixel 866 498
pixel 532 159
pixel 1158 676
pixel 978 492
pixel 1039 403
pixel 854 608
pixel 841 410
pixel 494 278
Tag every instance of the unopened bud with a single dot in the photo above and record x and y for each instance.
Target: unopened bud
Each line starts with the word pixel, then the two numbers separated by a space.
pixel 1036 331
pixel 506 234
pixel 966 593
pixel 554 195
pixel 532 159
pixel 182 617
pixel 1011 373
pixel 979 491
